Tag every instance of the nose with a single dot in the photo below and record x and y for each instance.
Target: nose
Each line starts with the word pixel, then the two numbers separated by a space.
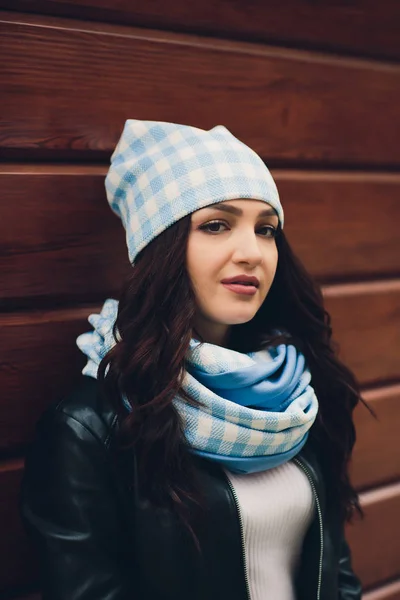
pixel 247 249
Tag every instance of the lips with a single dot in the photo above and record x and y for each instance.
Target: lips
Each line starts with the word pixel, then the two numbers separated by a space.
pixel 242 284
pixel 242 280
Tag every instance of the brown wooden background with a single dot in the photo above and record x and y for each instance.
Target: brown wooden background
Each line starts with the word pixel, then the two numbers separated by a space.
pixel 313 87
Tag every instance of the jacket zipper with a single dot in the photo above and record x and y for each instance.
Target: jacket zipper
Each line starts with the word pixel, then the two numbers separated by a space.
pixel 321 528
pixel 321 525
pixel 239 512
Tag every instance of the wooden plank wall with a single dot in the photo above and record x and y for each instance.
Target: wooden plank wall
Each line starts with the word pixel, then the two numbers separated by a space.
pixel 313 87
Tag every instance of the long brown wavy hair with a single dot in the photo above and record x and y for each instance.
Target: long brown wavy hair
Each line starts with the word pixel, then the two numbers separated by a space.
pixel 154 328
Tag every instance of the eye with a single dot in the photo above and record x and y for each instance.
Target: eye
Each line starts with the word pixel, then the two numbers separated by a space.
pixel 214 227
pixel 267 231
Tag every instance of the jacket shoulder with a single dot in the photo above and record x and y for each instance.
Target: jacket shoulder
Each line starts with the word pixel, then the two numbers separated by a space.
pixel 86 406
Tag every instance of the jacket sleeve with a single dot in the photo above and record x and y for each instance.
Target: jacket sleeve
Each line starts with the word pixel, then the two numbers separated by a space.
pixel 69 506
pixel 349 585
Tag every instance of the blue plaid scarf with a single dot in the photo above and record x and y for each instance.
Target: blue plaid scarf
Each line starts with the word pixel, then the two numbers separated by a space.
pixel 256 409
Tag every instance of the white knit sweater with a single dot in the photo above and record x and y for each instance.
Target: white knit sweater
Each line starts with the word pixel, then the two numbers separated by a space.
pixel 277 508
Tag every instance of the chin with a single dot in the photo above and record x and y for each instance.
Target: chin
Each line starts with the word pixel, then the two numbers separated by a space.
pixel 241 321
pixel 238 319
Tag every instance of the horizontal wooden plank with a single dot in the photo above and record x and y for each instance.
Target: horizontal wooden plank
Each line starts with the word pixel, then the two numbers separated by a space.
pixel 364 26
pixel 350 217
pixel 375 541
pixel 376 459
pixel 386 592
pixel 58 237
pixel 39 360
pixel 69 246
pixel 366 324
pixel 17 564
pixel 68 87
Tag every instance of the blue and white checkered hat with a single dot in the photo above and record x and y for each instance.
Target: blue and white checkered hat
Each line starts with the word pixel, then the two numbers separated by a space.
pixel 161 172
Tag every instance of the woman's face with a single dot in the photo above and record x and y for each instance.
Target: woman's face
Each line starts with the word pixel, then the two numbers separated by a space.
pixel 231 261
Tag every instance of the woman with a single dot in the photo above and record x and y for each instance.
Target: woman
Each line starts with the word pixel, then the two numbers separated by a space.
pixel 204 454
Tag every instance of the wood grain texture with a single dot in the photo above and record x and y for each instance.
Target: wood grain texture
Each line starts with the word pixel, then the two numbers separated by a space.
pixel 366 324
pixel 386 592
pixel 362 26
pixel 69 86
pixel 375 542
pixel 39 361
pixel 59 241
pixel 17 564
pixel 376 459
pixel 349 218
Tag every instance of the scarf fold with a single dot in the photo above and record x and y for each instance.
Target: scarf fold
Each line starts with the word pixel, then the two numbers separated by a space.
pixel 256 408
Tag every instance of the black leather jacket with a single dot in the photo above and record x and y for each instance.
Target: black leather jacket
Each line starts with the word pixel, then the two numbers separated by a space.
pixel 99 538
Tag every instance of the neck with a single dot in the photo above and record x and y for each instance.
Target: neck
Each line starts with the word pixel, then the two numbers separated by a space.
pixel 211 333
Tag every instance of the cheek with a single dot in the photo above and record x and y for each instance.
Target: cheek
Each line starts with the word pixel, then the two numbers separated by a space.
pixel 272 260
pixel 274 263
pixel 197 277
pixel 203 261
pixel 270 266
pixel 196 262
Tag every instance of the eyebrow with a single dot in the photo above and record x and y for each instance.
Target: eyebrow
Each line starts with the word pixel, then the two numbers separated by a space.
pixel 269 212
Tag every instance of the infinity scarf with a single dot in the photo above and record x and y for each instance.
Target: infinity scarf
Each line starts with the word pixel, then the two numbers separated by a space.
pixel 257 408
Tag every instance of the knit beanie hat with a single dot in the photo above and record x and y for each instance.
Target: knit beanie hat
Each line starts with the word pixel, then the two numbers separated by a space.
pixel 161 172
